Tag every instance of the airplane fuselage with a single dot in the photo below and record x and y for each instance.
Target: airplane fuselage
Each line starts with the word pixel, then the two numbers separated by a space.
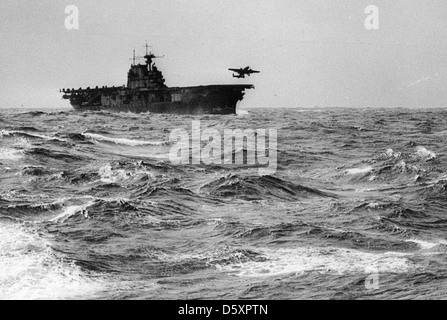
pixel 242 72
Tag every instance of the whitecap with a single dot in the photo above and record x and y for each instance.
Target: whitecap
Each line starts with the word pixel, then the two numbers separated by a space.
pixel 122 141
pixel 109 175
pixel 304 260
pixel 359 170
pixel 426 245
pixel 424 153
pixel 391 154
pixel 32 135
pixel 71 211
pixel 10 154
pixel 30 269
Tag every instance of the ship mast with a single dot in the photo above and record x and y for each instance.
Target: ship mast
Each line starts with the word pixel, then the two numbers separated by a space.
pixel 147 48
pixel 150 57
pixel 133 59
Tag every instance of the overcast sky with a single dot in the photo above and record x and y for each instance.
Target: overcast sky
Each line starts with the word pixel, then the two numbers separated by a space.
pixel 310 52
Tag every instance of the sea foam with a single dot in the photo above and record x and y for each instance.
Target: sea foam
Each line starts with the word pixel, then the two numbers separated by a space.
pixel 123 141
pixel 30 269
pixel 304 260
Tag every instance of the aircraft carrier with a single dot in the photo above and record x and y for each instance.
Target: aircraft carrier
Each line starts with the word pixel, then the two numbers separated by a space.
pixel 146 92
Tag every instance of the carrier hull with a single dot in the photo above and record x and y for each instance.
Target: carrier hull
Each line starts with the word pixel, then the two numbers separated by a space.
pixel 218 99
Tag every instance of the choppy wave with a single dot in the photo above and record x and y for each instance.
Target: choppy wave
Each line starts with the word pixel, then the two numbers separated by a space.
pixel 30 269
pixel 259 188
pixel 91 207
pixel 48 153
pixel 17 133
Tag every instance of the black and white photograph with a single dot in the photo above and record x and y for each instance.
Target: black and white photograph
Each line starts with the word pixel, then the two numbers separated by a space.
pixel 211 150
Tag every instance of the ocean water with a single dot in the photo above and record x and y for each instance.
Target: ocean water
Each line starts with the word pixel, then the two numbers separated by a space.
pixel 92 208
